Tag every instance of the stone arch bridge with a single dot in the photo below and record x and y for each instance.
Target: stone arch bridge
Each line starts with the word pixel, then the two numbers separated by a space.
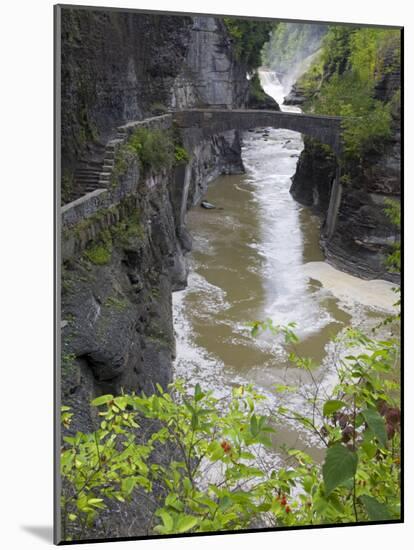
pixel 208 122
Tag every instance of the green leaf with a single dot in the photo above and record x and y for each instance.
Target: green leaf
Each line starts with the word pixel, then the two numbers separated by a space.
pixel 189 407
pixel 215 451
pixel 376 424
pixel 198 394
pixel 128 485
pixel 166 519
pixel 340 465
pixel 369 448
pixel 172 501
pixel 120 402
pixel 102 400
pixel 332 406
pixel 254 427
pixel 308 483
pixel 266 441
pixel 186 523
pixel 376 511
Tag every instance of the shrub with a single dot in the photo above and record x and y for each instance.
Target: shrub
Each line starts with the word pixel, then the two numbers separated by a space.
pixel 98 254
pixel 154 148
pixel 181 155
pixel 248 39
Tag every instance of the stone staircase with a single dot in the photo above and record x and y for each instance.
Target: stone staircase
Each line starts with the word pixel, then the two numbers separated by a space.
pixel 95 171
pixel 91 172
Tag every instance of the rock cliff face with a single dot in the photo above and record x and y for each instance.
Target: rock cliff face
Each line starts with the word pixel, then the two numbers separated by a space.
pixel 295 96
pixel 116 296
pixel 209 75
pixel 363 235
pixel 116 302
pixel 116 67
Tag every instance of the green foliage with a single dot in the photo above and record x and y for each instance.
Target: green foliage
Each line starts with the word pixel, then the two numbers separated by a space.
pixel 99 254
pixel 128 231
pixel 181 155
pixel 377 511
pixel 105 464
pixel 256 91
pixel 155 150
pixel 359 423
pixel 310 82
pixel 340 465
pixel 332 406
pixel 248 38
pixel 374 52
pixel 213 479
pixel 393 212
pixel 122 234
pixel 367 121
pixel 342 82
pixel 268 325
pixel 336 49
pixel 67 361
pixel 110 464
pixel 65 416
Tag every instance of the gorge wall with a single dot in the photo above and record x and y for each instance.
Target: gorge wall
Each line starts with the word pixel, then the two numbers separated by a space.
pixel 117 329
pixel 364 236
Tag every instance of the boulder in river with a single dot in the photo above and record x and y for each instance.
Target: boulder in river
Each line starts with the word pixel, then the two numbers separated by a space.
pixel 207 205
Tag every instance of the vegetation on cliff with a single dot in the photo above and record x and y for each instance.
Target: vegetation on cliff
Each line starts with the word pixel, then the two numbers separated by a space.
pixel 393 211
pixel 154 149
pixel 248 38
pixel 344 81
